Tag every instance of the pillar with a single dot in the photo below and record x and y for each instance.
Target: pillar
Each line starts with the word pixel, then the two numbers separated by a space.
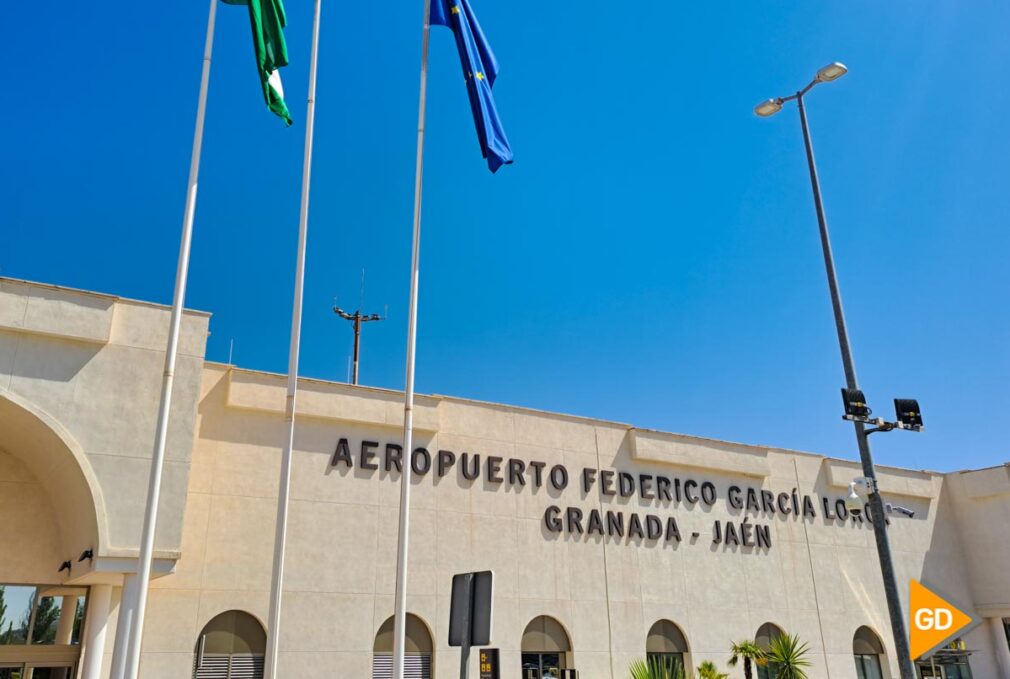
pixel 1001 646
pixel 127 608
pixel 65 625
pixel 95 626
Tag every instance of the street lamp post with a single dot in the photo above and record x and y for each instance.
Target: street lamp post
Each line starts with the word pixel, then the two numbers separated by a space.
pixel 877 516
pixel 357 318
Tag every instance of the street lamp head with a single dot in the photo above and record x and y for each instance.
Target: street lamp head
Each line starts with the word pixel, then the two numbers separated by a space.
pixel 768 108
pixel 831 72
pixel 908 413
pixel 855 403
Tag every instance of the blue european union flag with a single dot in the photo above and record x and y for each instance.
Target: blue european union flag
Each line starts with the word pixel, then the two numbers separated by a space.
pixel 479 69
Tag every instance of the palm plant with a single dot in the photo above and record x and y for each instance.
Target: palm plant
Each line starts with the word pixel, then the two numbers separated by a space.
pixel 656 668
pixel 789 656
pixel 708 670
pixel 750 653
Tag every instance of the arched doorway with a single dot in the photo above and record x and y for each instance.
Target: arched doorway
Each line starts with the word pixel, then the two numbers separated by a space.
pixel 867 650
pixel 52 510
pixel 666 643
pixel 546 649
pixel 231 646
pixel 765 634
pixel 418 649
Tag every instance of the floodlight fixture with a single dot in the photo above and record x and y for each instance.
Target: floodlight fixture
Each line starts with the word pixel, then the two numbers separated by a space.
pixel 832 71
pixel 768 108
pixel 88 554
pixel 65 566
pixel 855 404
pixel 908 413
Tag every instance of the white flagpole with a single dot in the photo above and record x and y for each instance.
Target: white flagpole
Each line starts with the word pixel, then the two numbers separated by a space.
pixel 403 538
pixel 280 537
pixel 136 633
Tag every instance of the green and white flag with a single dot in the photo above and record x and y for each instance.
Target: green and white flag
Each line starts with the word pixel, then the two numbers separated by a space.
pixel 268 21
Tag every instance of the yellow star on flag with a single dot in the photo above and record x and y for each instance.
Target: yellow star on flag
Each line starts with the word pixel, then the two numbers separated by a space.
pixel 455 9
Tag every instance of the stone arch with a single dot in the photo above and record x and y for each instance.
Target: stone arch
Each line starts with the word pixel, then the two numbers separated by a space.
pixel 51 456
pixel 545 643
pixel 419 648
pixel 666 641
pixel 766 633
pixel 763 639
pixel 869 654
pixel 231 644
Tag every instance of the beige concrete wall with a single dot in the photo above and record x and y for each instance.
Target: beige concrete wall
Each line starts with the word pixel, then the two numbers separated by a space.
pixel 92 365
pixel 29 530
pixel 980 500
pixel 980 504
pixel 79 381
pixel 819 579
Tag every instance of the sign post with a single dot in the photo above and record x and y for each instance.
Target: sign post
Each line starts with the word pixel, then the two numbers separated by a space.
pixel 470 615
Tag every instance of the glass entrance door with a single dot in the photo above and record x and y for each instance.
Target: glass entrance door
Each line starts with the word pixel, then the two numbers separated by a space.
pixel 541 666
pixel 37 671
pixel 945 671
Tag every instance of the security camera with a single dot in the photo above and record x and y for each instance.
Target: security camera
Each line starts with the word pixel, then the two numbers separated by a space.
pixel 853 502
pixel 859 487
pixel 889 508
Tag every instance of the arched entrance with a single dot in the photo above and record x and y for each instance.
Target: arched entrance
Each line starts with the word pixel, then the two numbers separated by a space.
pixel 546 649
pixel 231 646
pixel 418 650
pixel 667 644
pixel 51 502
pixel 52 512
pixel 868 651
pixel 765 634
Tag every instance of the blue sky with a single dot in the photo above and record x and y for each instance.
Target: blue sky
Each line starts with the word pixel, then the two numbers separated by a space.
pixel 652 255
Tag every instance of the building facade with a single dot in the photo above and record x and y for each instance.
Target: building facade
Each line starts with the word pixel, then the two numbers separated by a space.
pixel 608 542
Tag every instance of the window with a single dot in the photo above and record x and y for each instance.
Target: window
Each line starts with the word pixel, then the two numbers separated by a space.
pixel 50 615
pixel 763 639
pixel 666 643
pixel 868 666
pixel 545 649
pixel 417 650
pixel 40 629
pixel 955 670
pixel 231 646
pixel 867 650
pixel 948 662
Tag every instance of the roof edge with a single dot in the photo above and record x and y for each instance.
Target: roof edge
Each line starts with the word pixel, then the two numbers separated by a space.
pixel 101 295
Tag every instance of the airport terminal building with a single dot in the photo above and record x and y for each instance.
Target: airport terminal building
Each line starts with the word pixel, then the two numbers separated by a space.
pixel 608 542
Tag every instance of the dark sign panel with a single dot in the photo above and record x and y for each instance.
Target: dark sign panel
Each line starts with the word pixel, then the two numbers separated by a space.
pixel 470 609
pixel 489 663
